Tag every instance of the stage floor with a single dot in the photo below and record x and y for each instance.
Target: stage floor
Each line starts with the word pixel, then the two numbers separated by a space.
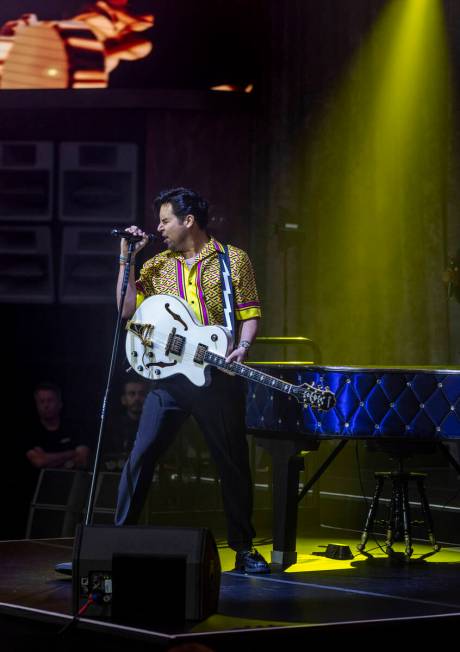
pixel 318 596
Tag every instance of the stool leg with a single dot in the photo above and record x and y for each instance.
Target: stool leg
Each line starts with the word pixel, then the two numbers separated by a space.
pixel 371 515
pixel 406 519
pixel 426 513
pixel 392 524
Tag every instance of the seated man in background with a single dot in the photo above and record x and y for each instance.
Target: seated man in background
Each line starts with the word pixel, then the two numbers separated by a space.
pixel 47 440
pixel 53 442
pixel 123 424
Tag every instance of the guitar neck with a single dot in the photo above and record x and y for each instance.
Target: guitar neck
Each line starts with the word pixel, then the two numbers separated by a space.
pixel 243 370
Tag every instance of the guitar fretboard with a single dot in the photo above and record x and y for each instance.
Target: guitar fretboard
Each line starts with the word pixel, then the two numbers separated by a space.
pixel 245 371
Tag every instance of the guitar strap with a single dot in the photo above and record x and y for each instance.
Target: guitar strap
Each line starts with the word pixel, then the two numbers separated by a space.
pixel 228 300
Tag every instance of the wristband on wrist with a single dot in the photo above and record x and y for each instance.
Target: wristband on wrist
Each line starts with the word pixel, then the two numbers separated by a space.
pixel 244 344
pixel 123 259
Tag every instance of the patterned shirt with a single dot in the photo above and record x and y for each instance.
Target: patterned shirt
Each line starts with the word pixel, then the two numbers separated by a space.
pixel 200 286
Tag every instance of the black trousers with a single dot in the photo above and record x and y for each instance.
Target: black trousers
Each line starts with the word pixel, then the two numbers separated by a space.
pixel 219 410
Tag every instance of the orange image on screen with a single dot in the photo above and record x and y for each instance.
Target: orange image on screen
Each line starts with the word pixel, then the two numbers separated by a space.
pixel 77 53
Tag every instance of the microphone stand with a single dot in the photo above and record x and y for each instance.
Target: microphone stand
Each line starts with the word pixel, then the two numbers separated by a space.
pixel 113 359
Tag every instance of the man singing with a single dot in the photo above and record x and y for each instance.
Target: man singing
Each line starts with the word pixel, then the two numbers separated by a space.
pixel 191 269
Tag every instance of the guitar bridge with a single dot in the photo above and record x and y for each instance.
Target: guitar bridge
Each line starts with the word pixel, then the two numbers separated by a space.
pixel 200 353
pixel 175 343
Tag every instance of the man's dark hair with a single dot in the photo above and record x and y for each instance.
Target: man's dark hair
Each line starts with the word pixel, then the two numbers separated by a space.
pixel 133 381
pixel 49 387
pixel 184 202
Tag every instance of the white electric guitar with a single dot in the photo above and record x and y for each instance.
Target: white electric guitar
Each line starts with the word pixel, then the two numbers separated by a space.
pixel 164 338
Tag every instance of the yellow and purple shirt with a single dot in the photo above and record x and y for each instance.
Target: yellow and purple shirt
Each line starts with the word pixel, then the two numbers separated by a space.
pixel 200 286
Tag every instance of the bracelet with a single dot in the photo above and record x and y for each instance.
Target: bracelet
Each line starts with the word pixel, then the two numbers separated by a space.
pixel 123 259
pixel 244 344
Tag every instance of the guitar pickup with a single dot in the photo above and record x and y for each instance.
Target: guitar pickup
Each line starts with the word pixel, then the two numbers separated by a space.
pixel 200 353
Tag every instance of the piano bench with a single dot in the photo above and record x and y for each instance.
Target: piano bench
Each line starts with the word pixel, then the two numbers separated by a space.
pixel 399 514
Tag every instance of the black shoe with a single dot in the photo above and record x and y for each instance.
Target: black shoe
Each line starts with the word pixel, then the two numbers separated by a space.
pixel 251 561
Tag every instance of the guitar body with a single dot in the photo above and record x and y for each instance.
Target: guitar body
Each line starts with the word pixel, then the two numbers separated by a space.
pixel 164 336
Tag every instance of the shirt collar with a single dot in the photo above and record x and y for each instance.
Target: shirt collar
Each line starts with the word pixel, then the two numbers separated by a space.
pixel 212 247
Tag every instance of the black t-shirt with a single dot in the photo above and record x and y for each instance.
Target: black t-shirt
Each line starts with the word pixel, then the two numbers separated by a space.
pixel 66 437
pixel 19 476
pixel 120 434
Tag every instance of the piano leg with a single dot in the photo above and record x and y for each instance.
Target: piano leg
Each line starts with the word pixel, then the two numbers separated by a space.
pixel 286 466
pixel 449 456
pixel 324 466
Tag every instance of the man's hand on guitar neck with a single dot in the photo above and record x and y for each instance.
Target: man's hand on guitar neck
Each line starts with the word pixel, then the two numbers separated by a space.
pixel 239 354
pixel 248 332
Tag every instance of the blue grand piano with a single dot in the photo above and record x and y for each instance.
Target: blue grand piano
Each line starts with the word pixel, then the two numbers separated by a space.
pixel 392 406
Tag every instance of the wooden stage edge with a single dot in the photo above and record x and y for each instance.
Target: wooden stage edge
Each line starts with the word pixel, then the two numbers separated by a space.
pixel 330 605
pixel 220 640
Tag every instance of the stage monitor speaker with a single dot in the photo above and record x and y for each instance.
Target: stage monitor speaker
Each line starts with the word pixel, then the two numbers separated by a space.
pixel 107 490
pixel 26 181
pixel 86 271
pixel 54 487
pixel 49 523
pixel 106 498
pixel 26 270
pixel 58 503
pixel 146 576
pixel 98 182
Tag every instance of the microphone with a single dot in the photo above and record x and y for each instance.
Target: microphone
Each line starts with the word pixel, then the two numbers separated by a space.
pixel 121 233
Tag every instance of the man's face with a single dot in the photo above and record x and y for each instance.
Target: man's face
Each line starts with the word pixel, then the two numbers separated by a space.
pixel 133 399
pixel 48 404
pixel 173 230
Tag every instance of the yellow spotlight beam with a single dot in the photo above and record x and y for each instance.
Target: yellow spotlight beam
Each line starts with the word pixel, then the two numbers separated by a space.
pixel 375 188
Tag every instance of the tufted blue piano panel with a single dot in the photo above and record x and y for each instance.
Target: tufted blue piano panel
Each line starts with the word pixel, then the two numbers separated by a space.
pixel 376 402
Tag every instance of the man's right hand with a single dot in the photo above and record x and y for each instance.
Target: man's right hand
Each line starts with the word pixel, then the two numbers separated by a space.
pixel 135 230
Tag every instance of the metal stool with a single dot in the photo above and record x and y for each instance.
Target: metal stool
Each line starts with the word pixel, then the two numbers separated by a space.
pixel 399 515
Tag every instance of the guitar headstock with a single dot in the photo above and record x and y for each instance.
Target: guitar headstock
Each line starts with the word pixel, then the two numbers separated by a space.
pixel 315 396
